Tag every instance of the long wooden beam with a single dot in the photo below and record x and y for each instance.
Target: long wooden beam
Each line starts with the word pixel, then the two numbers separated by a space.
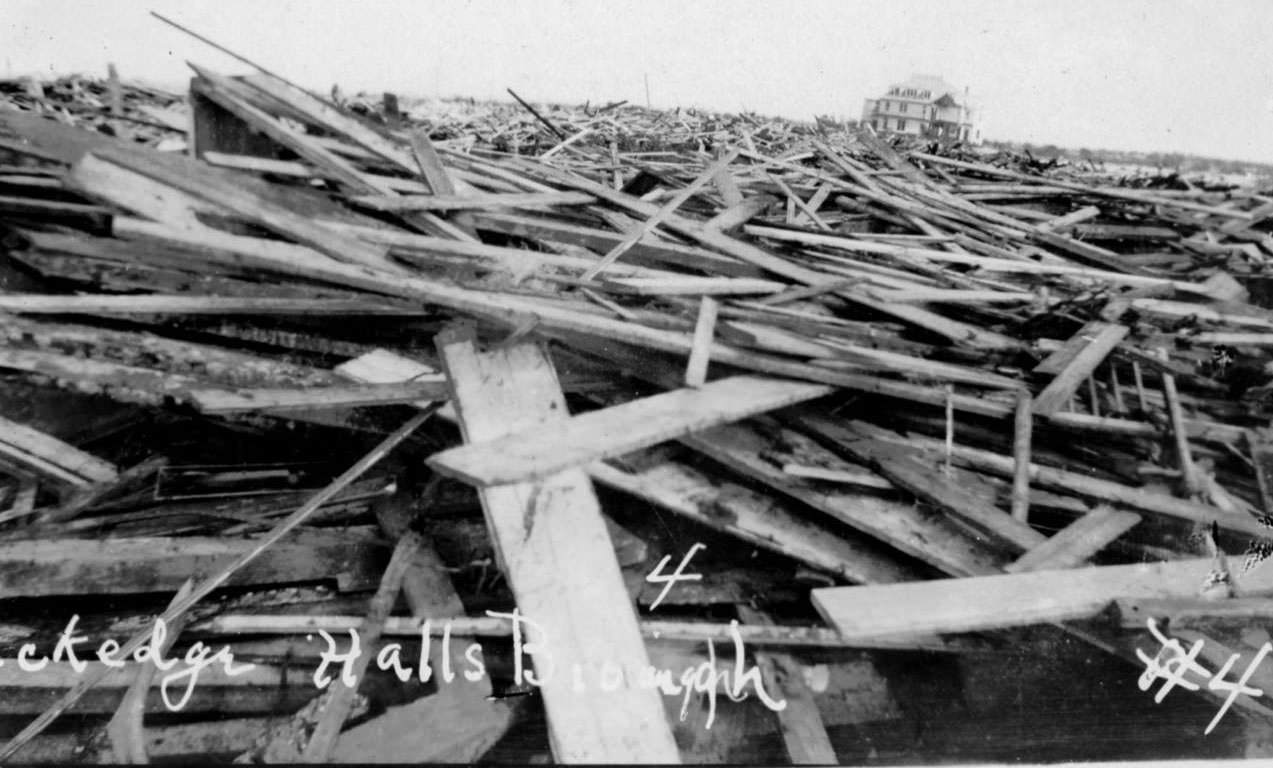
pixel 1014 600
pixel 553 547
pixel 609 432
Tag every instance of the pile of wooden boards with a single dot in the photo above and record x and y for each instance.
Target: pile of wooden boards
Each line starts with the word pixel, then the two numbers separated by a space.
pixel 938 399
pixel 127 110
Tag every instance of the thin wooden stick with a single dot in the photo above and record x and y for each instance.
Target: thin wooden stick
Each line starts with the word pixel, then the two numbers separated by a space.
pixel 614 161
pixel 1022 428
pixel 1188 472
pixel 1140 387
pixel 538 116
pixel 644 228
pixel 236 56
pixel 1092 396
pixel 210 585
pixel 113 87
pixel 950 425
pixel 1117 389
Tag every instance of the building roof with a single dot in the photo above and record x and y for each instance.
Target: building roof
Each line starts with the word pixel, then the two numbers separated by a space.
pixel 932 83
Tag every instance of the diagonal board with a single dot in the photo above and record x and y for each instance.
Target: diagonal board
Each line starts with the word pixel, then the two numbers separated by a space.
pixel 531 453
pixel 919 474
pixel 725 506
pixel 759 450
pixel 1013 600
pixel 1099 339
pixel 1074 544
pixel 553 547
pixel 223 188
pixel 755 518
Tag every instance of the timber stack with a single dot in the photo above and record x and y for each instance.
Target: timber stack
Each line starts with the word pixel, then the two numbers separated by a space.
pixel 279 366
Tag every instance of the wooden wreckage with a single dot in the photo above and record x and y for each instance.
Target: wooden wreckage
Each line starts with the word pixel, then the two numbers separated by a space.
pixel 915 403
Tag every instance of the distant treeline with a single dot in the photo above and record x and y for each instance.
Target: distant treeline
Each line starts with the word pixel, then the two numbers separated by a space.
pixel 1167 162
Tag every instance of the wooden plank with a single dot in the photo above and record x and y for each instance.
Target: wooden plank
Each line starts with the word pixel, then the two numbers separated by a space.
pixel 1180 613
pixel 693 632
pixel 219 401
pixel 157 564
pixel 1074 544
pixel 691 286
pixel 426 157
pixel 553 547
pixel 701 354
pixel 1022 428
pixel 638 232
pixel 179 304
pixel 186 740
pixel 581 440
pixel 647 250
pixel 459 722
pixel 1124 232
pixel 50 457
pixel 1100 338
pixel 922 477
pixel 803 731
pixel 209 184
pixel 333 120
pixel 864 478
pixel 476 202
pixel 338 699
pixel 1176 416
pixel 1069 220
pixel 739 214
pixel 1013 600
pixel 126 726
pixel 302 171
pixel 759 455
pixel 754 518
pixel 263 689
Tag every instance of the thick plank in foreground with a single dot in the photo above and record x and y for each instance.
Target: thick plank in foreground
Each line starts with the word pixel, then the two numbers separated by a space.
pixel 610 432
pixel 556 554
pixel 1014 600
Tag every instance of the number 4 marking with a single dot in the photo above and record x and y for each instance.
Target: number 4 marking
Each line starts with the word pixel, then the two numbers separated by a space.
pixel 657 576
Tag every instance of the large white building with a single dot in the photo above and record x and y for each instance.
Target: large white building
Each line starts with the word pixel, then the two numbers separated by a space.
pixel 927 106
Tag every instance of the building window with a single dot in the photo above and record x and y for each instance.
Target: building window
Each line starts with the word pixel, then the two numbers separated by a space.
pixel 901 125
pixel 903 107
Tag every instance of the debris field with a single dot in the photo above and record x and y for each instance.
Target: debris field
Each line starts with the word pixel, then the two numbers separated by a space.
pixel 275 366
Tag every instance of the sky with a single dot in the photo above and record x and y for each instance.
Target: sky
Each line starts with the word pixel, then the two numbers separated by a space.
pixel 1190 76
